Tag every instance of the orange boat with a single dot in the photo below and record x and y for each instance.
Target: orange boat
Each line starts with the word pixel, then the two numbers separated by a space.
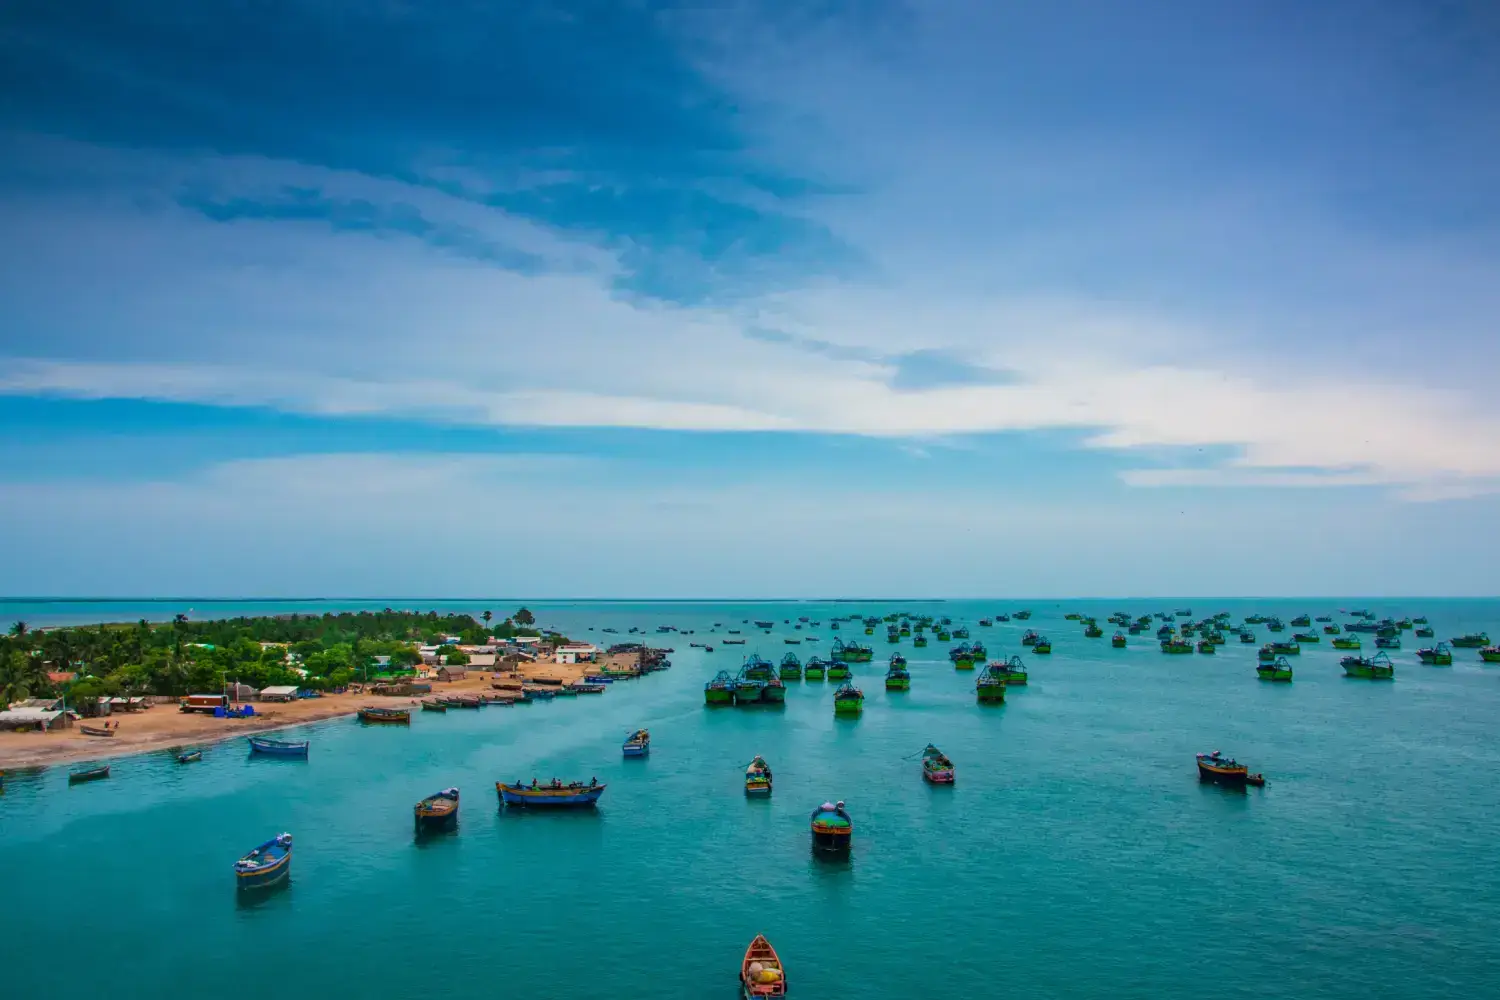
pixel 761 973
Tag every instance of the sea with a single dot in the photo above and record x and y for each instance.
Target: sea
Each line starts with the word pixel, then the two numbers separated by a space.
pixel 1076 856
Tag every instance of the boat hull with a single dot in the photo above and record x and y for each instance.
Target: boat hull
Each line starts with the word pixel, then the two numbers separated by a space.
pixel 635 750
pixel 991 694
pixel 274 749
pixel 757 789
pixel 812 674
pixel 548 798
pixel 898 683
pixel 1229 776
pixel 848 706
pixel 773 694
pixel 718 696
pixel 832 841
pixel 266 875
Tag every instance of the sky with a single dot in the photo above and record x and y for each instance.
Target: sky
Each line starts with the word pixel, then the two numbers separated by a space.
pixel 373 297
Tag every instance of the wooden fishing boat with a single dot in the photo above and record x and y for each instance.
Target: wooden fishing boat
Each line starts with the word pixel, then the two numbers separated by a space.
pixel 1374 668
pixel 1176 646
pixel 190 757
pixel 1473 640
pixel 1301 621
pixel 1323 618
pixel 1286 648
pixel 437 812
pixel 720 690
pixel 1332 630
pixel 1346 642
pixel 434 706
pixel 1425 632
pixel 1022 616
pixel 897 677
pixel 92 774
pixel 1306 637
pixel 1093 632
pixel 839 672
pixel 937 769
pixel 557 795
pixel 95 731
pixel 1204 646
pixel 637 744
pixel 1042 646
pixel 277 748
pixel 1247 638
pixel 814 670
pixel 985 623
pixel 773 692
pixel 1489 654
pixel 386 716
pixel 832 829
pixel 1118 640
pixel 962 656
pixel 791 668
pixel 919 641
pixel 1278 670
pixel 580 687
pixel 761 974
pixel 1257 779
pixel 1387 642
pixel 268 864
pixel 758 777
pixel 1030 638
pixel 1220 770
pixel 848 700
pixel 1437 656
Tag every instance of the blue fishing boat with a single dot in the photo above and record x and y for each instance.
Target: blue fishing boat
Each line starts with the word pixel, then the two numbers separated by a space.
pixel 437 812
pixel 277 748
pixel 268 864
pixel 190 757
pixel 557 795
pixel 637 744
pixel 598 679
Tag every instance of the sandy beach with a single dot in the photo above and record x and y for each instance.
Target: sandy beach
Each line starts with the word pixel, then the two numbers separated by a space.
pixel 163 726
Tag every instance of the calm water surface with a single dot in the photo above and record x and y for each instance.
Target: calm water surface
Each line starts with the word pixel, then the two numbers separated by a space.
pixel 1077 856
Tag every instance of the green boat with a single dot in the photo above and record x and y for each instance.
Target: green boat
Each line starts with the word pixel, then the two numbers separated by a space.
pixel 848 700
pixel 990 685
pixel 1306 637
pixel 1346 642
pixel 1332 630
pixel 960 633
pixel 897 677
pixel 1301 621
pixel 1266 654
pixel 1275 625
pixel 1420 619
pixel 1247 637
pixel 758 669
pixel 1375 668
pixel 839 672
pixel 905 629
pixel 1042 645
pixel 720 690
pixel 893 636
pixel 1437 656
pixel 1490 654
pixel 1474 640
pixel 1014 670
pixel 1278 670
pixel 791 668
pixel 747 691
pixel 1092 631
pixel 1404 623
pixel 1286 648
pixel 1425 632
pixel 869 630
pixel 962 656
pixel 1204 646
pixel 1118 639
pixel 814 670
pixel 943 635
pixel 1176 646
pixel 774 692
pixel 919 641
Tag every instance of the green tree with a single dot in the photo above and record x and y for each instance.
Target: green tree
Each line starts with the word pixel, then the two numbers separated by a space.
pixel 19 630
pixel 487 616
pixel 453 655
pixel 406 656
pixel 524 618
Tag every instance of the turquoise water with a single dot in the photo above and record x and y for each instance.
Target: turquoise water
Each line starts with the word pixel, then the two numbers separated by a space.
pixel 1077 855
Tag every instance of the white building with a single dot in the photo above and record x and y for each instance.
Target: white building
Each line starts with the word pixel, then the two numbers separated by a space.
pixel 575 652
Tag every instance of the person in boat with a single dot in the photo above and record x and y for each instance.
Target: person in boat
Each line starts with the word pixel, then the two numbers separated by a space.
pixel 594 782
pixel 533 783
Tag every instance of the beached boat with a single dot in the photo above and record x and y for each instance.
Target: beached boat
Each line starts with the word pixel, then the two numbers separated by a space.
pixel 267 865
pixel 1437 656
pixel 92 774
pixel 897 677
pixel 579 687
pixel 1042 646
pixel 1176 646
pixel 814 670
pixel 937 769
pixel 574 794
pixel 190 756
pixel 1473 640
pixel 1220 770
pixel 720 690
pixel 761 973
pixel 1489 654
pixel 386 716
pixel 791 668
pixel 989 686
pixel 433 705
pixel 1279 669
pixel 95 731
pixel 758 777
pixel 848 700
pixel 1118 640
pixel 277 748
pixel 832 829
pixel 437 812
pixel 637 744
pixel 1374 668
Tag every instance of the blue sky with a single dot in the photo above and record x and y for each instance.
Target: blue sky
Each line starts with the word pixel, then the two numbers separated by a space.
pixel 637 299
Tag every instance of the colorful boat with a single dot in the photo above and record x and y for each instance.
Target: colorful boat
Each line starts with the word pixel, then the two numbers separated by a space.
pixel 746 690
pixel 960 633
pixel 937 769
pixel 832 829
pixel 1217 769
pixel 1474 640
pixel 962 656
pixel 1275 625
pixel 942 635
pixel 848 700
pixel 720 690
pixel 1279 669
pixel 1437 656
pixel 985 622
pixel 277 748
pixel 1176 646
pixel 989 686
pixel 761 974
pixel 920 641
pixel 1306 637
pixel 190 757
pixel 1346 642
pixel 897 677
pixel 92 774
pixel 557 795
pixel 1042 646
pixel 1205 646
pixel 432 705
pixel 1118 640
pixel 1092 631
pixel 387 716
pixel 758 777
pixel 977 648
pixel 268 864
pixel 1374 668
pixel 774 692
pixel 757 669
pixel 1387 642
pixel 437 812
pixel 1332 630
pixel 1489 654
pixel 1014 670
pixel 791 668
pixel 814 670
pixel 637 744
pixel 1286 648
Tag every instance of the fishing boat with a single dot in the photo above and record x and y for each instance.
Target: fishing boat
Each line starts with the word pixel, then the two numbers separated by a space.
pixel 580 687
pixel 1437 656
pixel 1279 669
pixel 1323 618
pixel 832 829
pixel 761 974
pixel 574 794
pixel 848 700
pixel 720 690
pixel 1405 623
pixel 791 668
pixel 960 633
pixel 437 812
pixel 1072 616
pixel 1042 646
pixel 1183 612
pixel 937 769
pixel 1374 668
pixel 1286 648
pixel 1306 637
pixel 814 670
pixel 1022 616
pixel 1332 630
pixel 962 657
pixel 897 677
pixel 793 642
pixel 1346 642
pixel 433 705
pixel 1420 620
pixel 1474 640
pixel 386 716
pixel 839 671
pixel 1118 640
pixel 1275 625
pixel 1301 621
pixel 765 625
pixel 637 744
pixel 758 777
pixel 733 642
pixel 1425 632
pixel 95 731
pixel 1489 654
pixel 1092 631
pixel 1217 769
pixel 92 774
pixel 1002 618
pixel 773 692
pixel 747 690
pixel 1247 637
pixel 1204 646
pixel 920 641
pixel 1014 671
pixel 1387 642
pixel 277 748
pixel 1176 646
pixel 989 686
pixel 985 622
pixel 267 865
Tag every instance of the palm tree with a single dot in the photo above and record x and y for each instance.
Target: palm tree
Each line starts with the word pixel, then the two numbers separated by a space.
pixel 487 616
pixel 19 630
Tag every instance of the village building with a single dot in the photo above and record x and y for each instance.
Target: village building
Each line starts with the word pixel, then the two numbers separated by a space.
pixel 575 652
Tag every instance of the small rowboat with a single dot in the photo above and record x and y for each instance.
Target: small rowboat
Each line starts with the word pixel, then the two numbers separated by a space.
pixel 386 716
pixel 761 974
pixel 95 731
pixel 637 744
pixel 575 794
pixel 832 829
pixel 95 774
pixel 937 769
pixel 277 748
pixel 190 757
pixel 434 706
pixel 758 777
pixel 437 812
pixel 1256 779
pixel 268 864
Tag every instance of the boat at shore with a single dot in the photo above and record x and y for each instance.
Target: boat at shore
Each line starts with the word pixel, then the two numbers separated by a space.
pixel 437 812
pixel 267 865
pixel 277 748
pixel 95 731
pixel 433 705
pixel 832 829
pixel 1374 668
pixel 385 716
pixel 761 973
pixel 1217 769
pixel 848 700
pixel 574 794
pixel 758 777
pixel 637 744
pixel 1279 669
pixel 190 756
pixel 937 769
pixel 92 774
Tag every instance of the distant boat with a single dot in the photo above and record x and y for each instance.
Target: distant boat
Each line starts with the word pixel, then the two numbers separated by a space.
pixel 555 796
pixel 761 974
pixel 437 812
pixel 1220 770
pixel 937 769
pixel 758 777
pixel 897 677
pixel 832 829
pixel 277 748
pixel 637 744
pixel 268 864
pixel 93 774
pixel 386 716
pixel 434 706
pixel 190 757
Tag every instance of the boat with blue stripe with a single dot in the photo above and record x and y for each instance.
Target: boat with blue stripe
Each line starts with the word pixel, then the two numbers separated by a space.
pixel 277 748
pixel 554 796
pixel 267 865
pixel 637 744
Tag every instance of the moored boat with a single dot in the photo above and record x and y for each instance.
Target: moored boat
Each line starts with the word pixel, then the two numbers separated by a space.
pixel 814 670
pixel 1042 646
pixel 832 829
pixel 838 671
pixel 919 641
pixel 720 690
pixel 432 705
pixel 1014 671
pixel 1306 637
pixel 437 812
pixel 277 748
pixel 637 744
pixel 758 777
pixel 95 731
pixel 1425 632
pixel 897 677
pixel 1278 670
pixel 761 973
pixel 1205 646
pixel 1346 642
pixel 1118 640
pixel 268 864
pixel 1030 638
pixel 1092 631
pixel 1220 770
pixel 92 774
pixel 1286 648
pixel 791 668
pixel 1176 646
pixel 388 716
pixel 1387 642
pixel 1437 656
pixel 1473 640
pixel 989 686
pixel 554 796
pixel 848 700
pixel 1489 654
pixel 962 656
pixel 1374 668
pixel 190 756
pixel 1332 630
pixel 937 769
